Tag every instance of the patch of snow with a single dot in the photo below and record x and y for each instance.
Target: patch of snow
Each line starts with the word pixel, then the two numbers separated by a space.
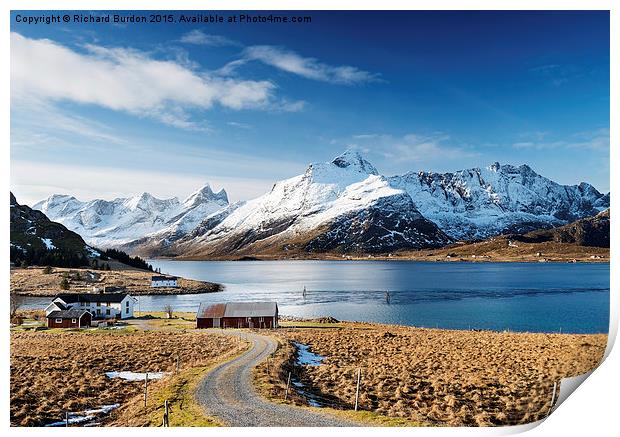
pixel 48 243
pixel 84 416
pixel 135 376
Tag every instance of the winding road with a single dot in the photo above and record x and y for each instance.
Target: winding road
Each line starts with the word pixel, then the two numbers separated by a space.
pixel 227 392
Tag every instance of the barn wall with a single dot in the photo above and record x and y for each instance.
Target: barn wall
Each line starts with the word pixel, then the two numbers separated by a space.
pixel 203 323
pixel 66 323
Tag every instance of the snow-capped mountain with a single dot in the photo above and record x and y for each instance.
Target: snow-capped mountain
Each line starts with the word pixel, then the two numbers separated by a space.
pixel 343 206
pixel 340 206
pixel 104 223
pixel 479 203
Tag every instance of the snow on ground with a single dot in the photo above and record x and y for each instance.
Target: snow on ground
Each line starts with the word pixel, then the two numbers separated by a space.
pixel 84 416
pixel 135 376
pixel 48 243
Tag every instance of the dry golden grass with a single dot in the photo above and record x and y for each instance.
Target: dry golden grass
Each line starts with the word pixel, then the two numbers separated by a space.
pixel 439 377
pixel 33 282
pixel 54 372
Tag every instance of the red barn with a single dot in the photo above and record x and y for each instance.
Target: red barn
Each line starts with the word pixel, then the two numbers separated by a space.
pixel 238 315
pixel 69 319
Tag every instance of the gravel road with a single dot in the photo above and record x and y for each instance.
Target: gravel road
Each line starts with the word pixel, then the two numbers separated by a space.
pixel 228 394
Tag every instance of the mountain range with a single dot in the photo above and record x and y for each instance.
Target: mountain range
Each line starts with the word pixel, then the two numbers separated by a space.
pixel 342 206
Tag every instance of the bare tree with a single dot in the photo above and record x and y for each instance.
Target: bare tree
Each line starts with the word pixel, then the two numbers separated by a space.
pixel 168 310
pixel 17 300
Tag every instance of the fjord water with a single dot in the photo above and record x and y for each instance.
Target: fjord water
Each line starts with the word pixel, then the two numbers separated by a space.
pixel 532 297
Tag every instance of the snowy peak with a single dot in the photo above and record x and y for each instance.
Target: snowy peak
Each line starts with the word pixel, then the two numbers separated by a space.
pixel 352 160
pixel 204 195
pixel 111 223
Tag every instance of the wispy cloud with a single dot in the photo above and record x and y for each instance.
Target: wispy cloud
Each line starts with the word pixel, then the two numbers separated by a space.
pixel 126 80
pixel 556 74
pixel 595 140
pixel 198 37
pixel 310 68
pixel 412 147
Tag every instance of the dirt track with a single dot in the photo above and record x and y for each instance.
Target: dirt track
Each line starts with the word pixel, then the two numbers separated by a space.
pixel 227 393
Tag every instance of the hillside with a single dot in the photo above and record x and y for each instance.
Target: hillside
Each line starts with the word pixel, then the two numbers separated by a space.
pixel 36 240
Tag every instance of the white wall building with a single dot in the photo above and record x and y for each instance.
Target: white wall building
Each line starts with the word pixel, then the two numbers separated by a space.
pixel 164 281
pixel 100 305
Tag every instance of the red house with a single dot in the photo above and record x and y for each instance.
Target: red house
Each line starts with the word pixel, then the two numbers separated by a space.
pixel 69 319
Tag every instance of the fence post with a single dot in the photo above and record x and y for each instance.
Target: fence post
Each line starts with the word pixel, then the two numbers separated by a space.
pixel 555 387
pixel 357 390
pixel 288 384
pixel 178 362
pixel 146 383
pixel 66 418
pixel 166 422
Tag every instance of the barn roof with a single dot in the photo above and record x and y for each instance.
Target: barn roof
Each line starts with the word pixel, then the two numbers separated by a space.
pixel 67 314
pixel 206 311
pixel 238 309
pixel 91 297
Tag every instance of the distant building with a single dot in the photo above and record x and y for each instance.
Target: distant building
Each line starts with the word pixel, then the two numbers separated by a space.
pixel 164 281
pixel 238 315
pixel 69 318
pixel 99 305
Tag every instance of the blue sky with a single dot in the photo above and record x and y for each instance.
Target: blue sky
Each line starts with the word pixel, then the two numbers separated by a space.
pixel 103 110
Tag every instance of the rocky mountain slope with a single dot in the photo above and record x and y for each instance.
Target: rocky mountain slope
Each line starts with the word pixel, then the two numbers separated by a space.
pixel 113 223
pixel 38 240
pixel 479 203
pixel 590 231
pixel 340 206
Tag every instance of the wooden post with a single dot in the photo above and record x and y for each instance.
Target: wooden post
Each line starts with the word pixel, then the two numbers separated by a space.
pixel 66 418
pixel 178 362
pixel 166 421
pixel 146 383
pixel 357 390
pixel 288 384
pixel 555 387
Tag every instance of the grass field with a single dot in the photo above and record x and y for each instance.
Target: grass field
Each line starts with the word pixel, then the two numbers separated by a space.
pixel 56 371
pixel 433 377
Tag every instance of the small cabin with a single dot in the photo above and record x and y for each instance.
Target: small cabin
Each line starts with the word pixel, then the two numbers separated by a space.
pixel 69 319
pixel 164 281
pixel 238 315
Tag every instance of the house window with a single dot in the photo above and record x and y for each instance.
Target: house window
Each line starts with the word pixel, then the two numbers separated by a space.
pixel 126 310
pixel 73 320
pixel 58 320
pixel 127 304
pixel 98 311
pixel 107 311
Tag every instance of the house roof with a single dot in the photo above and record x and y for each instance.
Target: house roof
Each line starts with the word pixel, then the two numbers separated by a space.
pixel 58 305
pixel 238 309
pixel 163 278
pixel 67 314
pixel 91 297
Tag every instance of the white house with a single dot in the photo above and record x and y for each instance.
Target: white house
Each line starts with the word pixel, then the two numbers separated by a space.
pixel 164 281
pixel 100 305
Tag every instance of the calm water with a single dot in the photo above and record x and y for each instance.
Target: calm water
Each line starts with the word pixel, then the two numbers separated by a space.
pixel 535 297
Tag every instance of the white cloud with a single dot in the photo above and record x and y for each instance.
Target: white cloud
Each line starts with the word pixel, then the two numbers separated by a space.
pixel 198 37
pixel 309 68
pixel 597 139
pixel 412 147
pixel 126 80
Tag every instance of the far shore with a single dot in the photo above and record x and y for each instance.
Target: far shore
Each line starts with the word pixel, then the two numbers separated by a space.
pixel 34 281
